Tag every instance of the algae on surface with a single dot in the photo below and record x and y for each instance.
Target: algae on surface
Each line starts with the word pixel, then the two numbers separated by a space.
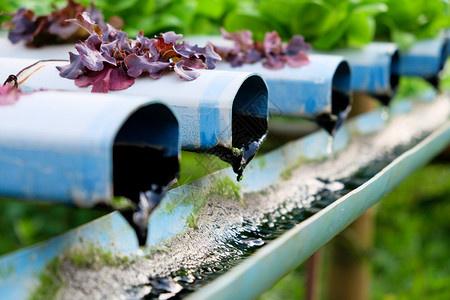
pixel 52 279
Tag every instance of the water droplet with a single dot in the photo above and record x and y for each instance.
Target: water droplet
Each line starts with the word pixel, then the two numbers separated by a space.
pixel 253 242
pixel 238 158
pixel 385 112
pixel 330 144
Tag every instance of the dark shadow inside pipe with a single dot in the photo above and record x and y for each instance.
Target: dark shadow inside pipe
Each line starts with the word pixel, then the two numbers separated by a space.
pixel 394 79
pixel 145 160
pixel 145 151
pixel 250 111
pixel 434 80
pixel 249 124
pixel 340 100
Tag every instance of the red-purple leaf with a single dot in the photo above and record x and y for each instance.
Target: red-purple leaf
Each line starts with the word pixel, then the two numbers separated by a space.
pixel 109 49
pixel 8 94
pixel 300 60
pixel 110 78
pixel 297 44
pixel 171 37
pixel 61 26
pixel 92 59
pixel 25 26
pixel 139 64
pixel 193 63
pixel 84 20
pixel 74 69
pixel 273 52
pixel 209 55
pixel 183 74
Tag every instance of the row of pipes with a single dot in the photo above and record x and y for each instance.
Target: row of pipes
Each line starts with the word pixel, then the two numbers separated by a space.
pixel 61 143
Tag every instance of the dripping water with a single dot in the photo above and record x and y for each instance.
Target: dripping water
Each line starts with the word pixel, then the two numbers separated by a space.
pixel 238 158
pixel 340 109
pixel 385 113
pixel 248 134
pixel 330 144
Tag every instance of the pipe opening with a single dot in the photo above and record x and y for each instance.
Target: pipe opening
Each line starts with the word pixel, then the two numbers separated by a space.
pixel 445 50
pixel 340 100
pixel 249 124
pixel 434 79
pixel 394 78
pixel 145 162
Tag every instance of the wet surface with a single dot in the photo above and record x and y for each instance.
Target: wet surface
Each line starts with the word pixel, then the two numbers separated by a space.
pixel 248 134
pixel 253 236
pixel 227 231
pixel 331 122
pixel 340 108
pixel 238 158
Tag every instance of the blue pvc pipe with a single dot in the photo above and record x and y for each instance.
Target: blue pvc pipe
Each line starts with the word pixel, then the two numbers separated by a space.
pixel 206 106
pixel 425 58
pixel 372 67
pixel 58 146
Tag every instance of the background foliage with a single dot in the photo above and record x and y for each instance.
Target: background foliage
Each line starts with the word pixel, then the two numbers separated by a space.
pixel 326 24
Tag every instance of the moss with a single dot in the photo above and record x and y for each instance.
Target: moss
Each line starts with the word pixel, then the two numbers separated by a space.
pixel 94 258
pixel 192 220
pixel 122 203
pixel 226 188
pixel 51 280
pixel 263 192
pixel 237 152
pixel 170 207
pixel 287 173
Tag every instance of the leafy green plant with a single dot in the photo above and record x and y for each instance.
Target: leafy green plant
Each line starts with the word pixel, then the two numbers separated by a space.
pixel 326 24
pixel 405 22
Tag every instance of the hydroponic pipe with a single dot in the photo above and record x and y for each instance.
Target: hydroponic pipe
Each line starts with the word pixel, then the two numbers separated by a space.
pixel 84 149
pixel 374 69
pixel 319 91
pixel 424 59
pixel 221 113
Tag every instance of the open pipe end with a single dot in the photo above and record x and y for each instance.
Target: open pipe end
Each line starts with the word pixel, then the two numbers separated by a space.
pixel 445 50
pixel 249 124
pixel 394 79
pixel 340 100
pixel 145 162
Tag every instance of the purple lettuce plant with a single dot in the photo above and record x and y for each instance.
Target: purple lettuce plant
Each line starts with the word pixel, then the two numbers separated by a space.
pixel 273 53
pixel 49 29
pixel 109 60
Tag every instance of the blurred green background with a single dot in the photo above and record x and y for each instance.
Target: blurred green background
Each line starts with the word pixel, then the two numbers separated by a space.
pixel 411 255
pixel 324 23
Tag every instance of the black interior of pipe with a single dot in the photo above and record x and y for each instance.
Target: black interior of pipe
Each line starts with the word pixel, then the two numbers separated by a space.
pixel 145 163
pixel 250 110
pixel 340 100
pixel 394 79
pixel 141 156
